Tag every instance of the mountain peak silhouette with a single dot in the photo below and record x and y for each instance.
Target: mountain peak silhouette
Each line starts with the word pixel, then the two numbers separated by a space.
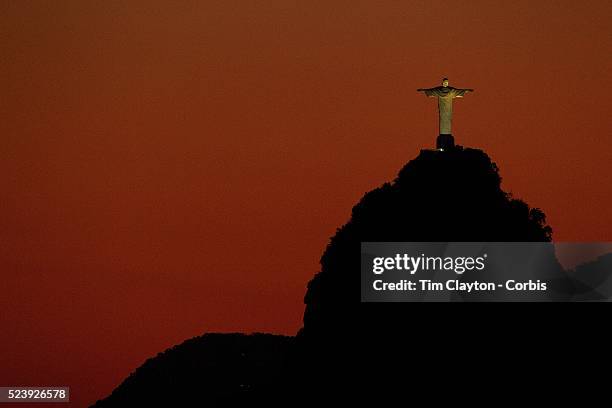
pixel 440 196
pixel 449 195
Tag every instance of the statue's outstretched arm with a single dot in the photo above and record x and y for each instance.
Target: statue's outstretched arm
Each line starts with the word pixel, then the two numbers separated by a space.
pixel 458 93
pixel 428 91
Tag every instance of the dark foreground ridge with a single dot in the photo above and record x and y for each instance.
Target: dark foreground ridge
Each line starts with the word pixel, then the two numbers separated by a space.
pixel 348 350
pixel 205 370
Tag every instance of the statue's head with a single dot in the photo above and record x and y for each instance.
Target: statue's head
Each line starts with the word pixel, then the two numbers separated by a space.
pixel 445 82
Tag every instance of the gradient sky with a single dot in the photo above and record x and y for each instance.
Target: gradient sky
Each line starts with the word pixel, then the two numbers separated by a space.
pixel 172 168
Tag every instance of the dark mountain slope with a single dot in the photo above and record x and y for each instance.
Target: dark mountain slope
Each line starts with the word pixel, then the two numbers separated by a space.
pixel 348 351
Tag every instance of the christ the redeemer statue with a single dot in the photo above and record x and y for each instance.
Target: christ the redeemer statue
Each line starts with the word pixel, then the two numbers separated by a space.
pixel 445 95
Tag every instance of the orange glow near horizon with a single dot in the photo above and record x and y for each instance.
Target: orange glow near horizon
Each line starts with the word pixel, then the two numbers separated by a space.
pixel 172 169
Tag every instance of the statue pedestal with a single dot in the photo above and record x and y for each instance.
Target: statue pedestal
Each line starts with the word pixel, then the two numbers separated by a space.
pixel 445 142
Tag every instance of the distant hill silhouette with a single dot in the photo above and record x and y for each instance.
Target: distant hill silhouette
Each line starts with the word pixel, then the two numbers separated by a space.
pixel 211 369
pixel 593 280
pixel 348 350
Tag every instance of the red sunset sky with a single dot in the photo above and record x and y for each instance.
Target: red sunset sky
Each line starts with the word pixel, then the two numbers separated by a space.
pixel 174 168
